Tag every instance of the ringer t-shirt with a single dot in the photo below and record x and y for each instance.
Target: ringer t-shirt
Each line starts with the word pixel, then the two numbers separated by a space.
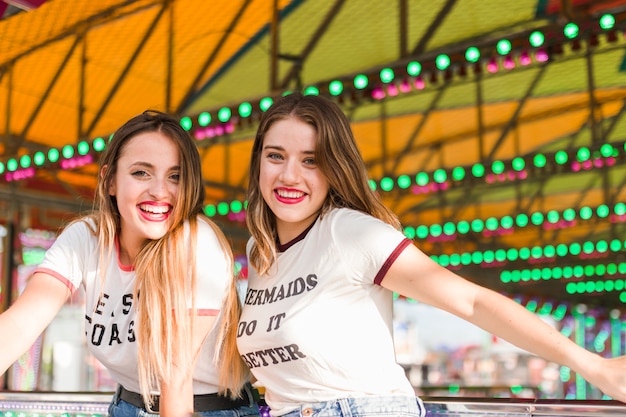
pixel 110 319
pixel 319 326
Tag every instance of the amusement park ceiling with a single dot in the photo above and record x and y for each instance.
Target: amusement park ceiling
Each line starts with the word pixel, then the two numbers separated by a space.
pixel 72 71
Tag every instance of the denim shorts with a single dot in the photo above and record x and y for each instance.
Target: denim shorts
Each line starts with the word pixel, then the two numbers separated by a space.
pixel 120 408
pixel 392 406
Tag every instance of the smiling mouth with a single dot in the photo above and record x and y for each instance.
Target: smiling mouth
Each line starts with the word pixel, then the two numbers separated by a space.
pixel 155 211
pixel 290 194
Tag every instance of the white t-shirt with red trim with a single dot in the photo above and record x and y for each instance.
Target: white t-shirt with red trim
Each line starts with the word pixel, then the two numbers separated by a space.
pixel 110 320
pixel 319 326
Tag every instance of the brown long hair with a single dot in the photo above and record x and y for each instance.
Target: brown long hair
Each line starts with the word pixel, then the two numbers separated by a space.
pixel 164 280
pixel 336 155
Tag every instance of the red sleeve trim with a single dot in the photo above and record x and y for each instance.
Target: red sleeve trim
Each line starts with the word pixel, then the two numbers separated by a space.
pixel 58 276
pixel 207 312
pixel 392 258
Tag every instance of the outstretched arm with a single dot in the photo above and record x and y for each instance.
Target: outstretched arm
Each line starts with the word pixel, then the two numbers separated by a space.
pixel 415 275
pixel 31 313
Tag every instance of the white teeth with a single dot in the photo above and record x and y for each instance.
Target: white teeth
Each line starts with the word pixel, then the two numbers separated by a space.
pixel 290 194
pixel 154 209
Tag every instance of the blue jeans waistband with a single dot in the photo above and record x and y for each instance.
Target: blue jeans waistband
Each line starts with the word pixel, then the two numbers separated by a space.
pixel 379 406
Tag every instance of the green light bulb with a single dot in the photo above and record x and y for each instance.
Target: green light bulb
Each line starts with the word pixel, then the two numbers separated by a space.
pixel 335 87
pixel 561 157
pixel 68 151
pixel 245 109
pixel 236 206
pixel 478 170
pixel 440 176
pixel 607 21
pixel 25 161
pixel 210 210
pixel 312 91
pixel 540 160
pixel 223 208
pixel 204 119
pixel 571 30
pixel 492 224
pixel 265 103
pixel 477 225
pixel 83 148
pixel 536 218
pixel 414 68
pixel 458 173
pixel 569 214
pixel 361 81
pixel 186 123
pixel 472 54
pixel 583 154
pixel 552 216
pixel 503 47
pixel 449 229
pixel 463 227
pixel 53 155
pixel 536 39
pixel 421 179
pixel 404 181
pixel 386 184
pixel 606 150
pixel 518 164
pixel 521 220
pixel 224 114
pixel 442 62
pixel 586 213
pixel 497 167
pixel 99 144
pixel 39 158
pixel 386 75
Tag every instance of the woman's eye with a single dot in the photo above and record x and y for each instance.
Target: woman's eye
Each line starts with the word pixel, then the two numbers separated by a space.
pixel 175 177
pixel 139 173
pixel 274 156
pixel 309 161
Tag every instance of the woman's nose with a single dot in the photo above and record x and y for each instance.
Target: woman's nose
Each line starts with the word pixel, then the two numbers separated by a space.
pixel 290 172
pixel 158 188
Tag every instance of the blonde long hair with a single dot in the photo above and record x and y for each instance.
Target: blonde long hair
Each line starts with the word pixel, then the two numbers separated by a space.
pixel 164 280
pixel 336 155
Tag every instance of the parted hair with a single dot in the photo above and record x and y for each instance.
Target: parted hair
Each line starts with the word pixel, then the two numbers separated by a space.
pixel 165 267
pixel 336 155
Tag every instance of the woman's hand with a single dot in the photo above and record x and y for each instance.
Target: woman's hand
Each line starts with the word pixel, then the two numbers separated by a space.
pixel 176 399
pixel 608 375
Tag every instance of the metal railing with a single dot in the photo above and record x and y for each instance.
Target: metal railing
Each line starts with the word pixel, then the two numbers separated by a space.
pixel 75 404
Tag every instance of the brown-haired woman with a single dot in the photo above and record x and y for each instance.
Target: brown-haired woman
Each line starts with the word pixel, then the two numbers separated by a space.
pixel 326 256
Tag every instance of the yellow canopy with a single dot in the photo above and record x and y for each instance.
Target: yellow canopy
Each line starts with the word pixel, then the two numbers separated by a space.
pixel 72 71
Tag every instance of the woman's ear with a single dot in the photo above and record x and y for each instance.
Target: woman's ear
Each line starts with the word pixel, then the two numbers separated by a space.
pixel 103 171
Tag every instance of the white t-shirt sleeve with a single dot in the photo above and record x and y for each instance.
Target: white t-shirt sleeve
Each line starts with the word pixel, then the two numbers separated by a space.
pixel 213 271
pixel 367 244
pixel 67 258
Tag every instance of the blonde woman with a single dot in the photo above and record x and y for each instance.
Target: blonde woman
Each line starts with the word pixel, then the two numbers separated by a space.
pixel 161 300
pixel 326 256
